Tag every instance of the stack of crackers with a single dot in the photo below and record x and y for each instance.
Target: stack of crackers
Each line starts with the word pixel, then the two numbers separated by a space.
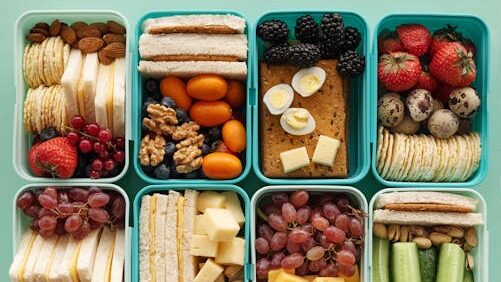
pixel 45 107
pixel 402 157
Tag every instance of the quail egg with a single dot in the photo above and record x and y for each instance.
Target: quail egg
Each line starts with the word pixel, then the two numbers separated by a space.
pixel 297 121
pixel 390 109
pixel 278 98
pixel 443 123
pixel 419 103
pixel 308 81
pixel 464 102
pixel 407 126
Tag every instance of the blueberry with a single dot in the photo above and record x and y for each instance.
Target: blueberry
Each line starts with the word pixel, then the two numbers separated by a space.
pixel 182 116
pixel 205 149
pixel 48 133
pixel 170 148
pixel 174 173
pixel 148 102
pixel 168 102
pixel 191 175
pixel 162 171
pixel 151 86
pixel 214 134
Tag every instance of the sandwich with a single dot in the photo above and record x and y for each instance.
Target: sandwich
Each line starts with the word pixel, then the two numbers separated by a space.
pixel 70 81
pixel 87 255
pixel 118 100
pixel 16 269
pixel 87 87
pixel 188 69
pixel 104 256
pixel 221 24
pixel 427 209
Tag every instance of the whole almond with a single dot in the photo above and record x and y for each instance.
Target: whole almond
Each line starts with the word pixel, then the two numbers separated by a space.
pixel 68 35
pixel 78 25
pixel 103 58
pixel 380 230
pixel 456 232
pixel 40 30
pixel 88 31
pixel 439 238
pixel 404 234
pixel 35 37
pixel 55 28
pixel 422 242
pixel 42 25
pixel 103 28
pixel 471 236
pixel 112 37
pixel 115 27
pixel 115 50
pixel 90 44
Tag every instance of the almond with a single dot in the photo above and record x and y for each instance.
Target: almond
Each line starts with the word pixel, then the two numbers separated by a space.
pixel 40 30
pixel 103 28
pixel 88 31
pixel 36 37
pixel 115 27
pixel 115 50
pixel 55 28
pixel 112 37
pixel 90 44
pixel 77 25
pixel 68 35
pixel 42 25
pixel 103 58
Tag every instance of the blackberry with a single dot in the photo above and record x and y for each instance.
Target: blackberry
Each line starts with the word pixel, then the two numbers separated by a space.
pixel 330 49
pixel 350 63
pixel 307 29
pixel 304 55
pixel 48 133
pixel 352 38
pixel 273 31
pixel 332 27
pixel 278 54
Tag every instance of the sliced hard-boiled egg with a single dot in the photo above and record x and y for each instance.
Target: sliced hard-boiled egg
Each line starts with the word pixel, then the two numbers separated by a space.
pixel 297 121
pixel 278 98
pixel 308 81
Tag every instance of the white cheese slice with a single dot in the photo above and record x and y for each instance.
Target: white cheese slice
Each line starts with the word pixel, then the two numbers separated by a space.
pixel 294 159
pixel 326 151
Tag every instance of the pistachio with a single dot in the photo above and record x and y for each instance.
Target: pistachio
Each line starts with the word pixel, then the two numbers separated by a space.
pixel 439 238
pixel 404 234
pixel 422 242
pixel 393 232
pixel 418 231
pixel 380 230
pixel 470 262
pixel 471 236
pixel 456 232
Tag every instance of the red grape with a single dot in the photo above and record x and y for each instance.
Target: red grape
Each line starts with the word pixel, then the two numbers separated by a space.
pixel 289 213
pixel 47 222
pixel 44 212
pixel 308 244
pixel 315 253
pixel 265 231
pixel 93 129
pixel 65 209
pixel 262 268
pixel 120 142
pixel 277 222
pixel 73 223
pixel 303 269
pixel 322 241
pixel 276 260
pixel 329 271
pixel 95 225
pixel 330 211
pixel 60 227
pixel 104 135
pixel 25 200
pixel 343 203
pixel 118 207
pixel 299 198
pixel 317 265
pixel 46 233
pixel 99 215
pixel 85 146
pixel 109 165
pixel 279 198
pixel 292 261
pixel 51 191
pixel 342 222
pixel 104 155
pixel 94 189
pixel 94 174
pixel 293 247
pixel 77 122
pixel 98 200
pixel 298 236
pixel 262 246
pixel 303 214
pixel 350 247
pixel 270 209
pixel 34 224
pixel 78 195
pixel 308 227
pixel 346 269
pixel 320 223
pixel 81 232
pixel 98 147
pixel 345 257
pixel 73 137
pixel 356 228
pixel 119 156
pixel 315 212
pixel 47 201
pixel 32 211
pixel 335 235
pixel 324 199
pixel 278 241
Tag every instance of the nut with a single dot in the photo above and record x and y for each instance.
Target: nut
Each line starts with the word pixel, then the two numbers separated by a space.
pixel 418 231
pixel 115 27
pixel 55 28
pixel 90 44
pixel 103 28
pixel 152 150
pixel 404 234
pixel 103 58
pixel 42 25
pixel 188 159
pixel 35 37
pixel 78 25
pixel 40 30
pixel 161 120
pixel 470 261
pixel 456 232
pixel 393 232
pixel 439 238
pixel 471 236
pixel 68 35
pixel 467 247
pixel 112 37
pixel 89 31
pixel 422 242
pixel 115 50
pixel 380 230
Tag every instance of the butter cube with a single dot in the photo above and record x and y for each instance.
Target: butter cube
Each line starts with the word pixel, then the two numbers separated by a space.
pixel 326 151
pixel 328 279
pixel 200 225
pixel 209 272
pixel 274 273
pixel 221 225
pixel 233 205
pixel 231 252
pixel 287 277
pixel 294 159
pixel 201 246
pixel 210 199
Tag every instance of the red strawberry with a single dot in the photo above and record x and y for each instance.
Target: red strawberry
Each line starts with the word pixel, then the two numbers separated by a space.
pixel 470 47
pixel 398 71
pixel 454 65
pixel 416 38
pixel 389 42
pixel 446 35
pixel 426 81
pixel 443 92
pixel 56 156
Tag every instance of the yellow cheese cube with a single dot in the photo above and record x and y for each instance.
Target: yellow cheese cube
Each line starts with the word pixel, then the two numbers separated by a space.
pixel 233 205
pixel 310 278
pixel 326 151
pixel 294 159
pixel 273 273
pixel 287 277
pixel 220 278
pixel 200 224
pixel 210 199
pixel 328 279
pixel 221 225
pixel 231 252
pixel 209 272
pixel 201 246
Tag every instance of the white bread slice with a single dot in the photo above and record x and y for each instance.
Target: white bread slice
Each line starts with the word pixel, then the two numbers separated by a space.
pixel 88 84
pixel 52 273
pixel 171 229
pixel 118 114
pixel 103 88
pixel 160 239
pixel 16 269
pixel 43 258
pixel 188 69
pixel 103 258
pixel 70 80
pixel 36 249
pixel 425 198
pixel 195 24
pixel 190 263
pixel 427 218
pixel 154 45
pixel 145 239
pixel 117 265
pixel 68 268
pixel 87 254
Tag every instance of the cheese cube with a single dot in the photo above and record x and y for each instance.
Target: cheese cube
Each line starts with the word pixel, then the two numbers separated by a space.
pixel 200 224
pixel 294 159
pixel 210 199
pixel 287 277
pixel 220 278
pixel 209 272
pixel 326 151
pixel 221 225
pixel 310 277
pixel 233 205
pixel 201 246
pixel 231 252
pixel 274 273
pixel 328 279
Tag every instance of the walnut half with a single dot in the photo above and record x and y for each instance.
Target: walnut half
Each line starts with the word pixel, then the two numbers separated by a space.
pixel 161 120
pixel 188 159
pixel 152 150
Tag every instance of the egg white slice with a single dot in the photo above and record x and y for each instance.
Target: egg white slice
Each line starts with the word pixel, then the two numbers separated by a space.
pixel 286 100
pixel 310 126
pixel 308 81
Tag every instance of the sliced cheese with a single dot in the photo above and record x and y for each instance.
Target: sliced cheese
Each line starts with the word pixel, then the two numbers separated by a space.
pixel 326 151
pixel 36 248
pixel 102 262
pixel 70 80
pixel 210 199
pixel 200 225
pixel 294 159
pixel 103 88
pixel 118 107
pixel 16 270
pixel 201 246
pixel 52 273
pixel 87 254
pixel 209 272
pixel 171 236
pixel 88 84
pixel 221 225
pixel 117 265
pixel 231 252
pixel 44 258
pixel 160 240
pixel 234 206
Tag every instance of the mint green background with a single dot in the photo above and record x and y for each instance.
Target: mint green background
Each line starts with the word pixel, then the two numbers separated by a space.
pixel 372 11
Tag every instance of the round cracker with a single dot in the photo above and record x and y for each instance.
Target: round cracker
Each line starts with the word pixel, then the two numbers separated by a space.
pixel 389 152
pixel 451 142
pixel 410 157
pixel 379 144
pixel 403 157
pixel 42 70
pixel 26 111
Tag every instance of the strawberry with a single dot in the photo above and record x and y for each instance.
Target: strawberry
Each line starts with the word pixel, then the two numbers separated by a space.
pixel 56 156
pixel 443 92
pixel 426 81
pixel 454 65
pixel 415 38
pixel 389 42
pixel 398 71
pixel 446 35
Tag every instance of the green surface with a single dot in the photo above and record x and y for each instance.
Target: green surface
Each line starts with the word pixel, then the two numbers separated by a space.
pixel 371 10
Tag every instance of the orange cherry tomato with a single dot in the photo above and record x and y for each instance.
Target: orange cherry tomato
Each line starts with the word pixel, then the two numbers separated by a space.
pixel 234 135
pixel 173 86
pixel 210 113
pixel 221 166
pixel 207 87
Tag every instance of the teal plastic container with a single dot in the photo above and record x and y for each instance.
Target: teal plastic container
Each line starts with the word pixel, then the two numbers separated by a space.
pixel 358 125
pixel 139 97
pixel 244 200
pixel 480 252
pixel 473 28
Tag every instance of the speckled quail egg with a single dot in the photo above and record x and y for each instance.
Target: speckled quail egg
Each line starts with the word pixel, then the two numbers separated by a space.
pixel 308 81
pixel 297 121
pixel 443 123
pixel 419 103
pixel 390 109
pixel 464 102
pixel 407 126
pixel 436 105
pixel 278 98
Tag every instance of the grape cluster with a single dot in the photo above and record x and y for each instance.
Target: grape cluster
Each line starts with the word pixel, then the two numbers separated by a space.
pixel 100 155
pixel 315 235
pixel 75 211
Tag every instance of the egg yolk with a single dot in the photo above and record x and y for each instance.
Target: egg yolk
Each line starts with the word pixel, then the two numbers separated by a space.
pixel 309 83
pixel 298 119
pixel 278 99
